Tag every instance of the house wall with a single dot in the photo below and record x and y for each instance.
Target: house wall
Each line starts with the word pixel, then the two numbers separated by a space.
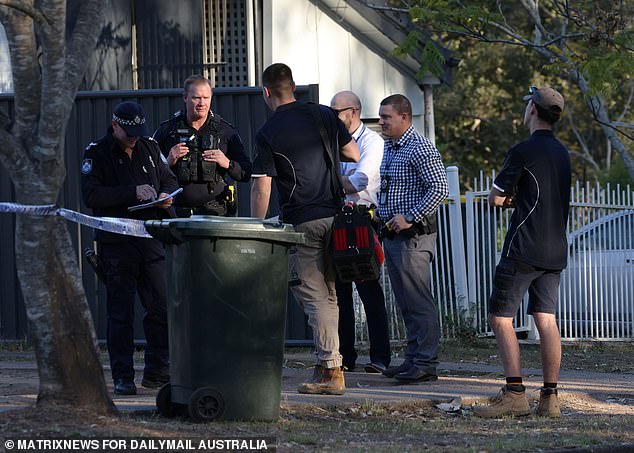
pixel 319 50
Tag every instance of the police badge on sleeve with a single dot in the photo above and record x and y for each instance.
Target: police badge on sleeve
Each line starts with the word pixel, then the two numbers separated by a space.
pixel 86 166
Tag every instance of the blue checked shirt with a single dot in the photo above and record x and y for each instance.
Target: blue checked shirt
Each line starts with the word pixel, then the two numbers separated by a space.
pixel 417 180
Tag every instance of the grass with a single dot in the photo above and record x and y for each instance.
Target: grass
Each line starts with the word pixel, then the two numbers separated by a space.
pixel 408 426
pixel 607 357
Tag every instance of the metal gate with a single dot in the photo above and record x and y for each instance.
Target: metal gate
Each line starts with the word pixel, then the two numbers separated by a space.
pixel 596 298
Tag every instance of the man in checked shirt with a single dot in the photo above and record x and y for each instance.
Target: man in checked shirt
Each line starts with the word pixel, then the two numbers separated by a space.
pixel 413 185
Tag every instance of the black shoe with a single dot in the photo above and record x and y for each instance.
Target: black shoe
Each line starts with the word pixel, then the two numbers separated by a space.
pixel 124 387
pixel 154 382
pixel 394 370
pixel 374 367
pixel 415 374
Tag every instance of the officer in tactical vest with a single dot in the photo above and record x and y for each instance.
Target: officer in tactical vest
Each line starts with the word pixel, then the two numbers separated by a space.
pixel 203 151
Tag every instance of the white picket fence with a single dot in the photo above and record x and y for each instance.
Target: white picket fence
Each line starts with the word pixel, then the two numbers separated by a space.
pixel 597 288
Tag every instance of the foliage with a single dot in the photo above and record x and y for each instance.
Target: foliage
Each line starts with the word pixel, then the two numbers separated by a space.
pixel 617 174
pixel 583 48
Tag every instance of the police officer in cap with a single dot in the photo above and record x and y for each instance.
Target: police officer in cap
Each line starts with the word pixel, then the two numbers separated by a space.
pixel 120 170
pixel 202 149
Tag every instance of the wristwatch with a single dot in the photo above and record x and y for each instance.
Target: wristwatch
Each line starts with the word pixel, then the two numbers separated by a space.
pixel 409 218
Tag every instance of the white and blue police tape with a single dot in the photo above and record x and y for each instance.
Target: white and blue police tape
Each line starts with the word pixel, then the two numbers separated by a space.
pixel 128 227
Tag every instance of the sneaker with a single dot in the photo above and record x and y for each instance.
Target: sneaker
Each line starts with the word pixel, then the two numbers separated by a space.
pixel 325 381
pixel 348 368
pixel 154 382
pixel 374 367
pixel 548 403
pixel 507 402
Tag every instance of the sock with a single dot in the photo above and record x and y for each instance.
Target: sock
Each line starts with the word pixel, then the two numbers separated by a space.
pixel 550 388
pixel 515 384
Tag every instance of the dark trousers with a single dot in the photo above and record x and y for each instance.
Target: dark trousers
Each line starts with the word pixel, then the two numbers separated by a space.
pixel 371 295
pixel 136 266
pixel 408 264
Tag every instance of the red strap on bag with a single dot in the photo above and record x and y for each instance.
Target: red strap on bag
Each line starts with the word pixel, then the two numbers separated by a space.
pixel 378 250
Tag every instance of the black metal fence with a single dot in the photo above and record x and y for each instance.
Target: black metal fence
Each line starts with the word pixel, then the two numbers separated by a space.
pixel 242 107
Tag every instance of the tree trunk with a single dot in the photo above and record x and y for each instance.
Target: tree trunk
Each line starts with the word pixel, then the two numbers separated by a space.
pixel 59 317
pixel 47 66
pixel 598 107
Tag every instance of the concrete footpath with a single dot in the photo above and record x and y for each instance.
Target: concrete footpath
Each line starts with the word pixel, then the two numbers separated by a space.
pixel 458 384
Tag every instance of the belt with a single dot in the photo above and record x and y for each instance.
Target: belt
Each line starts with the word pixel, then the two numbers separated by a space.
pixel 217 208
pixel 429 225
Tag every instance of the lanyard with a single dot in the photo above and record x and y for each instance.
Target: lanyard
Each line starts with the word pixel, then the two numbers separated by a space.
pixel 390 156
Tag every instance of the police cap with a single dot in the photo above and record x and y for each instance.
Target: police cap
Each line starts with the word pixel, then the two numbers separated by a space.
pixel 131 117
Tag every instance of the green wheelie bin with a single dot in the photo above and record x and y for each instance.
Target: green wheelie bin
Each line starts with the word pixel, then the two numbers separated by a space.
pixel 227 286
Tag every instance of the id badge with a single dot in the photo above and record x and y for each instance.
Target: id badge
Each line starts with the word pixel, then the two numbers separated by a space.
pixel 385 184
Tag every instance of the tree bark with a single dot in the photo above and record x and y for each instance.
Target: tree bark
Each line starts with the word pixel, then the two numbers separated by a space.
pixel 600 111
pixel 59 317
pixel 60 321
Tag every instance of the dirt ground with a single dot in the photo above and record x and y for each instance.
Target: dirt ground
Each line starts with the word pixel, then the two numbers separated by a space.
pixel 590 422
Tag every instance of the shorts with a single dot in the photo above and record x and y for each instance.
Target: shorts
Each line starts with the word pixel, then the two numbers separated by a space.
pixel 513 278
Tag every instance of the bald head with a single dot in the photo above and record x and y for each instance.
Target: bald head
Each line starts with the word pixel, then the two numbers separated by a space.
pixel 347 98
pixel 348 106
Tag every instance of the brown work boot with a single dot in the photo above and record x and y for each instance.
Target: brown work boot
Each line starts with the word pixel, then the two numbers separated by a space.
pixel 507 402
pixel 325 381
pixel 548 403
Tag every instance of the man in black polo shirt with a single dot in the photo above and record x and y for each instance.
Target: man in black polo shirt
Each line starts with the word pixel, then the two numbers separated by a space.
pixel 535 180
pixel 289 148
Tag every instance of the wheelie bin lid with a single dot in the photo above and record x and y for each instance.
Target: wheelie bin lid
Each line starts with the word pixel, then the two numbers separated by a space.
pixel 176 231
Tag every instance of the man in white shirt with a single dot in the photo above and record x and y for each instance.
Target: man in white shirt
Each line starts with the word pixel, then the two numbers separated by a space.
pixel 361 184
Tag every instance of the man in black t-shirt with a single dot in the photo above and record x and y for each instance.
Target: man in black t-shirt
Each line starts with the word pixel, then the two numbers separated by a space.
pixel 535 180
pixel 290 149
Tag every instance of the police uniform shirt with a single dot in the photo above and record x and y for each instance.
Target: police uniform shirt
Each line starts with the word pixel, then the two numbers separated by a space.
pixel 109 178
pixel 225 138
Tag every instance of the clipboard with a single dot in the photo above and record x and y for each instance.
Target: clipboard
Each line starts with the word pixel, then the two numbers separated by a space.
pixel 149 204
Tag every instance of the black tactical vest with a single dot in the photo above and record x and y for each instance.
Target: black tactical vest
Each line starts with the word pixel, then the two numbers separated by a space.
pixel 192 168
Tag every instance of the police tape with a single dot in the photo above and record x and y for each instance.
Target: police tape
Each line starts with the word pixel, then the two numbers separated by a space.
pixel 128 227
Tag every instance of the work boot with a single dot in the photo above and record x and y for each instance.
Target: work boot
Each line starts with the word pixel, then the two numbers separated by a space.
pixel 548 403
pixel 507 402
pixel 154 382
pixel 325 381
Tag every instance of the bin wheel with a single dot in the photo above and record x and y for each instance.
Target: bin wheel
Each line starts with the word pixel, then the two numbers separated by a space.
pixel 206 404
pixel 164 402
